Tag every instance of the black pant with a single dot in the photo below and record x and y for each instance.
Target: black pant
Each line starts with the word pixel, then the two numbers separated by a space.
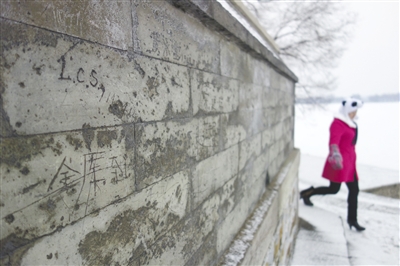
pixel 351 199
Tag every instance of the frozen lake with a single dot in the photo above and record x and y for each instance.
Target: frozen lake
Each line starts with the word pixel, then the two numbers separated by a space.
pixel 378 135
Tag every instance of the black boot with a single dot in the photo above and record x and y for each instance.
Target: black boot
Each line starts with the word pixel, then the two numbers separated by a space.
pixel 356 225
pixel 305 195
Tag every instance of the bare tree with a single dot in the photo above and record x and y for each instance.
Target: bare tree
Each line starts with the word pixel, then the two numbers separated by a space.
pixel 312 36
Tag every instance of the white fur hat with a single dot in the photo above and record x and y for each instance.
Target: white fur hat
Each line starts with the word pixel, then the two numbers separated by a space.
pixel 350 105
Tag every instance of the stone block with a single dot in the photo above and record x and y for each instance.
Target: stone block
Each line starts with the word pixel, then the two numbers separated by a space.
pixel 267 118
pixel 288 125
pixel 228 197
pixel 214 172
pixel 165 148
pixel 289 186
pixel 284 112
pixel 247 66
pixel 165 32
pixel 280 159
pixel 282 98
pixel 231 131
pixel 278 130
pixel 291 110
pixel 208 137
pixel 63 85
pixel 277 115
pixel 268 97
pixel 273 151
pixel 273 167
pixel 261 74
pixel 260 167
pixel 229 227
pixel 249 149
pixel 267 137
pixel 105 22
pixel 179 244
pixel 60 178
pixel 253 179
pixel 213 94
pixel 162 149
pixel 250 96
pixel 275 80
pixel 206 253
pixel 236 63
pixel 245 180
pixel 231 58
pixel 252 120
pixel 287 85
pixel 118 233
pixel 192 245
pixel 269 115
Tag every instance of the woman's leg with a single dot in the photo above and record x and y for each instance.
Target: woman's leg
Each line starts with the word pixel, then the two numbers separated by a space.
pixel 352 205
pixel 352 200
pixel 332 189
pixel 307 193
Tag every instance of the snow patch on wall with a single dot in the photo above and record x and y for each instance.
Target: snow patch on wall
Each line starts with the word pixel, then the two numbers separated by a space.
pixel 239 247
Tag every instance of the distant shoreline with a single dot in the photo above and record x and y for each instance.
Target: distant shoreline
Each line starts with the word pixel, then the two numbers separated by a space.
pixel 395 97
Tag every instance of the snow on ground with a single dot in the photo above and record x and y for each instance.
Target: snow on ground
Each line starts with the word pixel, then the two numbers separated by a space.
pixel 330 241
pixel 320 242
pixel 324 237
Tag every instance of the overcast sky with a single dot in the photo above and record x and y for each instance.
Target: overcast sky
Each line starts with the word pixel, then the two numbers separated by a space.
pixel 370 65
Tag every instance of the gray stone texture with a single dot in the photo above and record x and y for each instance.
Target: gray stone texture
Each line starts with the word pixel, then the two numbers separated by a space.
pixel 165 32
pixel 138 133
pixel 82 19
pixel 70 82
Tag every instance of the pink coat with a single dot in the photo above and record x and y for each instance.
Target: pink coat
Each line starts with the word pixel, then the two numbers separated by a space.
pixel 342 135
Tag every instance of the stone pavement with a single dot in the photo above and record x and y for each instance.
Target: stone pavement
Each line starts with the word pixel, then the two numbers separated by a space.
pixel 324 237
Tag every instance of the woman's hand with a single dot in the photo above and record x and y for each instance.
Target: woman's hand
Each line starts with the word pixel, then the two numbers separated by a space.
pixel 335 159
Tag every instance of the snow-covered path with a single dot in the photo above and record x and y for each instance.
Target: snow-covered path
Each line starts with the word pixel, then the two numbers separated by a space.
pixel 325 238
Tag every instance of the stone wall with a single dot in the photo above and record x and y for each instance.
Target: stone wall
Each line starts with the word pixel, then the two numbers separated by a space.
pixel 134 132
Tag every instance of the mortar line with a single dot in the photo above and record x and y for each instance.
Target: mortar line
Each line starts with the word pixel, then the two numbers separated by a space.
pixel 77 130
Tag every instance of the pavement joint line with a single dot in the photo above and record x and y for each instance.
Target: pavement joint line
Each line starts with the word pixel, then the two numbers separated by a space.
pixel 347 242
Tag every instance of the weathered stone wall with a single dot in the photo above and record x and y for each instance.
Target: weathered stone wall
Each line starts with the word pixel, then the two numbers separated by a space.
pixel 134 132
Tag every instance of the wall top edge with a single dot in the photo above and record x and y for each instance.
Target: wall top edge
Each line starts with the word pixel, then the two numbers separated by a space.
pixel 254 22
pixel 216 17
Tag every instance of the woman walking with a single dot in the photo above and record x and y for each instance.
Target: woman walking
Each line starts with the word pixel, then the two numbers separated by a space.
pixel 340 166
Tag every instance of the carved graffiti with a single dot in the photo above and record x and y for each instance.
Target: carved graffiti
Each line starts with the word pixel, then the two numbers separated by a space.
pixel 80 71
pixel 92 75
pixel 62 61
pixel 93 167
pixel 65 173
pixel 93 79
pixel 80 186
pixel 119 170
